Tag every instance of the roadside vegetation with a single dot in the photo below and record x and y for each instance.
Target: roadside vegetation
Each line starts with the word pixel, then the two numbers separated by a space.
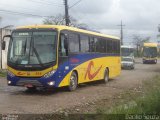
pixel 3 73
pixel 146 102
pixel 139 103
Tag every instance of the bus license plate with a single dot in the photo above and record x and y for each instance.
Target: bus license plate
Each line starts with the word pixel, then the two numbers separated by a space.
pixel 28 85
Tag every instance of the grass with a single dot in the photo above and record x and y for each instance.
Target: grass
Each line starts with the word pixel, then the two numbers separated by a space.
pixel 3 73
pixel 143 101
pixel 140 102
pixel 147 103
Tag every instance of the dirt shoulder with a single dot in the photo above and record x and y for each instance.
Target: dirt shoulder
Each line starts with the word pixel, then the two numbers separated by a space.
pixel 84 99
pixel 123 89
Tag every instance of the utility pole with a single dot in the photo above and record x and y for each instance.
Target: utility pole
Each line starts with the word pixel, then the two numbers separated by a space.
pixel 1 37
pixel 1 32
pixel 121 25
pixel 66 13
pixel 158 36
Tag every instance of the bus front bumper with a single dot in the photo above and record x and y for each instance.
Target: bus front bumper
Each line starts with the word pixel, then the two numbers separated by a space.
pixel 149 60
pixel 30 82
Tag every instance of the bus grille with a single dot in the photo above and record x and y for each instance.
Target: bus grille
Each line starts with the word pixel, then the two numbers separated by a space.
pixel 32 82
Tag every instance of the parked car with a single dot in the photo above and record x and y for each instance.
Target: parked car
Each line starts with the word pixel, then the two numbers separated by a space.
pixel 127 63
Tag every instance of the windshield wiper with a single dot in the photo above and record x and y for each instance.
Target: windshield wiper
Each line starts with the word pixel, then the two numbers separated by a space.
pixel 25 46
pixel 35 51
pixel 37 55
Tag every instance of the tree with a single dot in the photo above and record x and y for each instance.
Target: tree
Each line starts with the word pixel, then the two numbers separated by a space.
pixel 138 41
pixel 60 20
pixel 54 20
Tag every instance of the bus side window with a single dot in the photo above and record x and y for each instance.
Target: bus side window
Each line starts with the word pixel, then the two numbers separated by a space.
pixel 84 43
pixel 95 41
pixel 92 45
pixel 63 47
pixel 74 46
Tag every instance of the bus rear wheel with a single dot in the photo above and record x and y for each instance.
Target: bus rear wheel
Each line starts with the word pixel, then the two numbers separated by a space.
pixel 106 76
pixel 73 83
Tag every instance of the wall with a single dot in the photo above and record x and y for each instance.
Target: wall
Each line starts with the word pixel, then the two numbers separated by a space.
pixel 3 53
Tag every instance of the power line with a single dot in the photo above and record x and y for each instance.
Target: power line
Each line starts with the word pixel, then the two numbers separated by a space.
pixel 27 14
pixel 20 13
pixel 46 3
pixel 17 7
pixel 51 2
pixel 75 4
pixel 80 17
pixel 94 26
pixel 32 9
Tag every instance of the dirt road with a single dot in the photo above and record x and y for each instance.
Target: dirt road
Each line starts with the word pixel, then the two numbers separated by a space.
pixel 18 100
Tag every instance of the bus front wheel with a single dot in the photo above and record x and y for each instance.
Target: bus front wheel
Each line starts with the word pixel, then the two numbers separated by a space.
pixel 106 76
pixel 73 83
pixel 155 62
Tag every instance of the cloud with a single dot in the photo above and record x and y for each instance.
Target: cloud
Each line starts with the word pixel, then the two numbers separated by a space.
pixel 139 16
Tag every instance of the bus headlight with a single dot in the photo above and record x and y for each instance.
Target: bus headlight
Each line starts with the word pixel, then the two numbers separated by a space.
pixel 47 75
pixel 10 73
pixel 51 83
pixel 9 82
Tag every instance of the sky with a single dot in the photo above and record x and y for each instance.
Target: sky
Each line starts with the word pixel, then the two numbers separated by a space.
pixel 140 17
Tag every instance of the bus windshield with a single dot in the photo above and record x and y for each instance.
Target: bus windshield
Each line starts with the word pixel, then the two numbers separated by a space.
pixel 127 51
pixel 127 59
pixel 150 52
pixel 32 48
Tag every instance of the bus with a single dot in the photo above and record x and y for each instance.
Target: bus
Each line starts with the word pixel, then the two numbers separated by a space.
pixel 60 56
pixel 150 53
pixel 127 51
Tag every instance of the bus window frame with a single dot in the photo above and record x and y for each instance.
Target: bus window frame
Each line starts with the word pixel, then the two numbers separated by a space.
pixel 35 67
pixel 109 41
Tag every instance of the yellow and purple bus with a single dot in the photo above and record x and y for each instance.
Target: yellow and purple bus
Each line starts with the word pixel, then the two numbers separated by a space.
pixel 150 53
pixel 58 56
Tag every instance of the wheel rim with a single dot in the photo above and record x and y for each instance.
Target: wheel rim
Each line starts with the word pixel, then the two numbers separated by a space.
pixel 106 76
pixel 73 80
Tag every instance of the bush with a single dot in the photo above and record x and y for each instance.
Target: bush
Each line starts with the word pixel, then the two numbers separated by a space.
pixel 147 104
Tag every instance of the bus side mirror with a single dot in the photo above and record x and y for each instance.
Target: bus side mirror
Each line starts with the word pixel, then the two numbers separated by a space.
pixel 66 41
pixel 4 42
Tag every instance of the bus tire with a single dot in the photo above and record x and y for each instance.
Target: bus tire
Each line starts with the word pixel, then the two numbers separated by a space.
pixel 155 62
pixel 73 82
pixel 106 76
pixel 144 62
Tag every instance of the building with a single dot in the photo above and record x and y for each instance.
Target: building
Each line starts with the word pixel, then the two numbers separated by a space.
pixel 3 53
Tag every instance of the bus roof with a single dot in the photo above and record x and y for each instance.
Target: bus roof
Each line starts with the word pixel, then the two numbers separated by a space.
pixel 62 27
pixel 150 44
pixel 126 46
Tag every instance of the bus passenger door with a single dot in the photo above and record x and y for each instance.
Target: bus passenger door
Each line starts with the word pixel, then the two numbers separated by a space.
pixel 63 67
pixel 63 48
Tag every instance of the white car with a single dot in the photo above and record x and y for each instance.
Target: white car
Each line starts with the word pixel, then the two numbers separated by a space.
pixel 127 63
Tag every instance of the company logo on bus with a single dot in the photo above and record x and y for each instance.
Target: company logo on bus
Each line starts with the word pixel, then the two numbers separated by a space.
pixel 89 74
pixel 28 74
pixel 74 60
pixel 21 73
